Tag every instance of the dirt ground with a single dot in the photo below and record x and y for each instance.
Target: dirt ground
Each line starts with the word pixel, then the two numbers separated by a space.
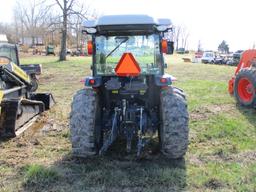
pixel 221 155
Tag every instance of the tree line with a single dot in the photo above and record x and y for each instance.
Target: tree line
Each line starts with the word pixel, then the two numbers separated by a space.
pixel 55 20
pixel 59 21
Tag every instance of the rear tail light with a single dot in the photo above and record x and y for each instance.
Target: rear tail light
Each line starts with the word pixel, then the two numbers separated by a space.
pixel 89 47
pixel 91 81
pixel 164 46
pixel 163 80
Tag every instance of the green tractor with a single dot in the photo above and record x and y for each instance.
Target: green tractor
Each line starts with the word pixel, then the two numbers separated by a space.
pixel 50 50
pixel 129 95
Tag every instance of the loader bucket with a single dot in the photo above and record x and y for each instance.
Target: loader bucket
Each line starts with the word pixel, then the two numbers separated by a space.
pixel 17 113
pixel 46 98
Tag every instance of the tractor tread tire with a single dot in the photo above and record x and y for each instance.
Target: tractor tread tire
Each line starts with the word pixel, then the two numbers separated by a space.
pixel 174 129
pixel 34 84
pixel 250 73
pixel 82 122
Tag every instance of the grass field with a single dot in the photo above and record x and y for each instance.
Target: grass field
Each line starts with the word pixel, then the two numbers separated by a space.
pixel 221 155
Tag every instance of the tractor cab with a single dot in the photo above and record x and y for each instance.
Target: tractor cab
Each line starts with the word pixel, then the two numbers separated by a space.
pixel 137 38
pixel 10 52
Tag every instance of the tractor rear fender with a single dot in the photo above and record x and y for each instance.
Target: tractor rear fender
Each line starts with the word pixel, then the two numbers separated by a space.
pixel 164 80
pixel 93 81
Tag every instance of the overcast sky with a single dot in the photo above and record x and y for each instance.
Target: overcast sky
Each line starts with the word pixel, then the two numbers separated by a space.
pixel 209 21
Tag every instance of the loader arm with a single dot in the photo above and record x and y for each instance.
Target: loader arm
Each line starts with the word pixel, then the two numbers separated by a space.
pixel 246 59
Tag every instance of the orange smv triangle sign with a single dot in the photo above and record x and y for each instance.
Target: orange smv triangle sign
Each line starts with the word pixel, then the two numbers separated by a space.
pixel 127 66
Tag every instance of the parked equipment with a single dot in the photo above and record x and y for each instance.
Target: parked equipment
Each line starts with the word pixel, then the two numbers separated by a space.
pixel 50 50
pixel 76 52
pixel 182 51
pixel 128 96
pixel 19 104
pixel 243 84
pixel 237 56
pixel 208 57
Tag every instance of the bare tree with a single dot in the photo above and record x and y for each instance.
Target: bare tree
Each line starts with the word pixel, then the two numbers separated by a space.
pixel 185 40
pixel 181 36
pixel 177 36
pixel 9 31
pixel 19 25
pixel 49 19
pixel 77 29
pixel 76 26
pixel 184 34
pixel 199 46
pixel 68 9
pixel 31 17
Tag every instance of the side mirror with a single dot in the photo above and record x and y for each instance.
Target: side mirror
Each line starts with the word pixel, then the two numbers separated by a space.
pixel 167 46
pixel 89 47
pixel 165 65
pixel 164 46
pixel 170 47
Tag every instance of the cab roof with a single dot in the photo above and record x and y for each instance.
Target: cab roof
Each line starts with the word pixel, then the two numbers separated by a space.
pixel 109 20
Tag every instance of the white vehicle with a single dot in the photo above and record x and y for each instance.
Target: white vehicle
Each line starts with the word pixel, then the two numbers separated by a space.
pixel 208 57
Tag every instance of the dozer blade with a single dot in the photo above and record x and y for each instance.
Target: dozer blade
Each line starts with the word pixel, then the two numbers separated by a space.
pixel 17 113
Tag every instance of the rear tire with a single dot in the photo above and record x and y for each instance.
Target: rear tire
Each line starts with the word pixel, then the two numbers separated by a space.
pixel 83 122
pixel 174 129
pixel 245 87
pixel 34 83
